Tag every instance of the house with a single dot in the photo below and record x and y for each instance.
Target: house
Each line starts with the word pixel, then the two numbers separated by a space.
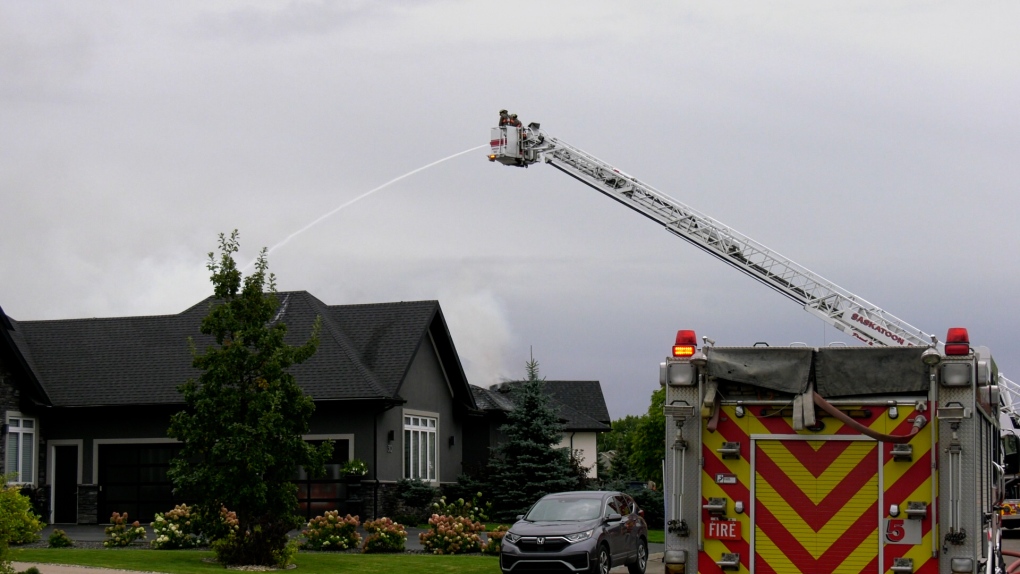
pixel 580 406
pixel 86 403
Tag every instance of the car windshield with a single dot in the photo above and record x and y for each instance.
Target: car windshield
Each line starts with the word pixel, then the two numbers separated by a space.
pixel 565 509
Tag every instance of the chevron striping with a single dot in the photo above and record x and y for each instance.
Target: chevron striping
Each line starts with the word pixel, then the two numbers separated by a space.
pixel 815 508
pixel 799 481
pixel 774 543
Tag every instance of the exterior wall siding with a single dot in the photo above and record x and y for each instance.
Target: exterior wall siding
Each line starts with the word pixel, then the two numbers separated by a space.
pixel 426 390
pixel 585 443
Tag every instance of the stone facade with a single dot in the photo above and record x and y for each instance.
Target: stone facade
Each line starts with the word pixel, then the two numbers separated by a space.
pixel 88 504
pixel 9 401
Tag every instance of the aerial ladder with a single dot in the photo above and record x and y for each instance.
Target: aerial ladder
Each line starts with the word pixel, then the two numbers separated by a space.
pixel 852 314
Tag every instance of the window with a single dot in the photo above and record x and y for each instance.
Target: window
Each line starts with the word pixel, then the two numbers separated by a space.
pixel 21 448
pixel 420 447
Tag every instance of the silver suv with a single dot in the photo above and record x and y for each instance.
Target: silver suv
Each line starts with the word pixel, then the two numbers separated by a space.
pixel 583 531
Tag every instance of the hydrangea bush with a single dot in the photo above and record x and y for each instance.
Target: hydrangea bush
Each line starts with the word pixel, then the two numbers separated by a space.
pixel 385 536
pixel 331 532
pixel 59 539
pixel 495 542
pixel 120 533
pixel 177 529
pixel 472 509
pixel 451 535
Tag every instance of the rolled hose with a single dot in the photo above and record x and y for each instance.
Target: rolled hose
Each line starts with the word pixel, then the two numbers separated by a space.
pixel 1015 566
pixel 919 422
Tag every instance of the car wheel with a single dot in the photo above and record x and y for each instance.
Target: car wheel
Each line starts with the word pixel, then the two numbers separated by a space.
pixel 602 564
pixel 641 562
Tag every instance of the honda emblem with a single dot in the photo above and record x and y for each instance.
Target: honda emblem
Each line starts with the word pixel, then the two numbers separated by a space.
pixel 540 540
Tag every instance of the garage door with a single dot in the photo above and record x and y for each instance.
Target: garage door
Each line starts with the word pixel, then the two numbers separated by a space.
pixel 815 506
pixel 133 479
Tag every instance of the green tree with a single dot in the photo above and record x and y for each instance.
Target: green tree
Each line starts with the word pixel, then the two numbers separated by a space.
pixel 526 465
pixel 648 440
pixel 244 417
pixel 615 444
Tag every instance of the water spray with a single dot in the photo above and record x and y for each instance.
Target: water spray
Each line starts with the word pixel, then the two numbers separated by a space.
pixel 363 196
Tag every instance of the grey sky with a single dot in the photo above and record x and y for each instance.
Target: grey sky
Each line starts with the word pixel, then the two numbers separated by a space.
pixel 876 143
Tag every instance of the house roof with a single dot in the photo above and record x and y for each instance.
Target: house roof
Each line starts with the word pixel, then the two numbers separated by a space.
pixel 580 405
pixel 364 352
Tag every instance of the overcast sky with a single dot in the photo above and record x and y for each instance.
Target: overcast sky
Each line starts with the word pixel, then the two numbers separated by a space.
pixel 875 143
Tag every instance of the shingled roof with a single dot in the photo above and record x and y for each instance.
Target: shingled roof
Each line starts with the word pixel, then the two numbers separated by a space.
pixel 364 352
pixel 580 405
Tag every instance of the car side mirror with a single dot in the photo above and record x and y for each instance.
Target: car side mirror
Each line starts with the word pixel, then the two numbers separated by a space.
pixel 614 517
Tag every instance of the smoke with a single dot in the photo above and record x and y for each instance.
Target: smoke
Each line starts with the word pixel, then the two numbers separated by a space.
pixel 481 330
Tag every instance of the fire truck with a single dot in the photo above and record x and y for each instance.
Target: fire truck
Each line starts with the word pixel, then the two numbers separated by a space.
pixel 882 458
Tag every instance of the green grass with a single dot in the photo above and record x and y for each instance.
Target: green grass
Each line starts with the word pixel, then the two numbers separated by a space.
pixel 656 536
pixel 191 561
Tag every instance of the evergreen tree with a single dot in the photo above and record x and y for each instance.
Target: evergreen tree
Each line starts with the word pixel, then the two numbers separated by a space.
pixel 527 466
pixel 244 417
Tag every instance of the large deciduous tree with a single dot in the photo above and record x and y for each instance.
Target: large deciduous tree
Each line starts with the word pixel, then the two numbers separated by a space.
pixel 527 465
pixel 242 426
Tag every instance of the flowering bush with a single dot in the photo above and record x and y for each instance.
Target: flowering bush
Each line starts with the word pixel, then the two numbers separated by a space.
pixel 451 535
pixel 355 467
pixel 495 542
pixel 330 532
pixel 59 539
pixel 385 536
pixel 473 509
pixel 177 529
pixel 120 533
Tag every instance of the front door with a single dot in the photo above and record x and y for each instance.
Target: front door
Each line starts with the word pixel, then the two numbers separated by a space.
pixel 65 484
pixel 815 506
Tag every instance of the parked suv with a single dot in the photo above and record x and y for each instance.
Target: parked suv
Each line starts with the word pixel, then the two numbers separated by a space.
pixel 584 531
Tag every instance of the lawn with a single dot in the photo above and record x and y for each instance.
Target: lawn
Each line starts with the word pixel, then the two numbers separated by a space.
pixel 191 561
pixel 656 536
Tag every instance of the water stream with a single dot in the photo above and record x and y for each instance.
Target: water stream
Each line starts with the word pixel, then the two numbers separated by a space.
pixel 363 196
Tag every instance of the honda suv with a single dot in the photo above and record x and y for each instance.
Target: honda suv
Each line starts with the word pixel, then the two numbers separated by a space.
pixel 584 531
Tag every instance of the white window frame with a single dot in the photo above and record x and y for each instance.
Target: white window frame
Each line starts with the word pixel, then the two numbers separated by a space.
pixel 415 426
pixel 19 431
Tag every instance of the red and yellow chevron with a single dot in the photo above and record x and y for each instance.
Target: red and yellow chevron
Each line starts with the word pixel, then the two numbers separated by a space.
pixel 815 494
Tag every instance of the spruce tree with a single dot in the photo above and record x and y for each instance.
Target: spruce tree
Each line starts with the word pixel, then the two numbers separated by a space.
pixel 527 466
pixel 242 426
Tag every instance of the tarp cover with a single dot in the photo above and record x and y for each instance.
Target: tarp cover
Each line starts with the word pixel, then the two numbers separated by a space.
pixel 851 371
pixel 785 369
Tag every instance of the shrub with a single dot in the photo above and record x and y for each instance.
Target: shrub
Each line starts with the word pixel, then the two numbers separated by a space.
pixel 178 528
pixel 451 535
pixel 59 539
pixel 31 570
pixel 20 524
pixel 385 536
pixel 653 503
pixel 495 542
pixel 415 496
pixel 330 532
pixel 120 533
pixel 473 509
